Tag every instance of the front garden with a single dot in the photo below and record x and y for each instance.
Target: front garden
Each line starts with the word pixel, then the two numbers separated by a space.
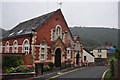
pixel 14 64
pixel 13 67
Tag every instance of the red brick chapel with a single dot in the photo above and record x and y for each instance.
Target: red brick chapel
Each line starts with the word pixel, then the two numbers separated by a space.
pixel 47 38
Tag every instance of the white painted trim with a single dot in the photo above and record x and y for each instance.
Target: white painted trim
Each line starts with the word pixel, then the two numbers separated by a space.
pixel 45 46
pixel 48 46
pixel 37 45
pixel 68 54
pixel 23 45
pixel 20 45
pixel 56 31
pixel 51 35
pixel 1 47
pixel 6 46
pixel 13 46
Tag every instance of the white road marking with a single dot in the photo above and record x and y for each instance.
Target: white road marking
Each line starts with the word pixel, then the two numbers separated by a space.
pixel 104 74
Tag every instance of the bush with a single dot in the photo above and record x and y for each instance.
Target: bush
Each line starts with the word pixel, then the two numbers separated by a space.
pixel 117 54
pixel 11 61
pixel 51 65
pixel 112 68
pixel 108 76
pixel 46 68
pixel 10 70
pixel 21 68
pixel 24 68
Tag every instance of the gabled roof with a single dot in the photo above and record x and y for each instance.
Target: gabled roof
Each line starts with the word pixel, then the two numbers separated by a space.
pixel 27 26
pixel 88 52
pixel 101 47
pixel 76 38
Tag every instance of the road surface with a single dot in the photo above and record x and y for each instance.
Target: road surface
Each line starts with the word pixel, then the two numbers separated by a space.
pixel 89 73
pixel 84 73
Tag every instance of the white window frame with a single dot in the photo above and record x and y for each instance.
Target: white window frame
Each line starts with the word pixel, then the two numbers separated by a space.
pixel 68 53
pixel 45 50
pixel 58 31
pixel 0 47
pixel 7 47
pixel 15 44
pixel 23 49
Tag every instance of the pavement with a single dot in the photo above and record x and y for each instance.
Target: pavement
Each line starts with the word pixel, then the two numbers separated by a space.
pixel 76 73
pixel 47 76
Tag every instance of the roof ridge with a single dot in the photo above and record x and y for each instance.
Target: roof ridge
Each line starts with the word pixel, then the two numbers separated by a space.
pixel 27 25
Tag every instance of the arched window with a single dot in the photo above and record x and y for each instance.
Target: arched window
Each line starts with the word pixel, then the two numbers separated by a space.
pixel 43 51
pixel 15 47
pixel 0 47
pixel 7 47
pixel 26 46
pixel 58 30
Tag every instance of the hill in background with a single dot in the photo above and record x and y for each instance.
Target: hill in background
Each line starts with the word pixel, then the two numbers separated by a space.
pixel 94 37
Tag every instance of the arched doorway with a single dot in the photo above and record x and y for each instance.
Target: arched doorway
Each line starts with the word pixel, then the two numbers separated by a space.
pixel 58 57
pixel 77 59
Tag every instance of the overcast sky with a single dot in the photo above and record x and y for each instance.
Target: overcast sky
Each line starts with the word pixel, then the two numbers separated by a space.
pixel 82 13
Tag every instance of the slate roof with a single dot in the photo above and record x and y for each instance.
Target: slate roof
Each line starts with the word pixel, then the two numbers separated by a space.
pixel 27 26
pixel 101 47
pixel 75 37
pixel 89 52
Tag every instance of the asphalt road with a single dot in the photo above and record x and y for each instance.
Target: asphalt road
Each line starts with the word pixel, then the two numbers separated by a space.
pixel 94 72
pixel 84 73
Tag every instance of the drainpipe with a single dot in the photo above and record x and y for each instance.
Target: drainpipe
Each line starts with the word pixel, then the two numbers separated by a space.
pixel 31 35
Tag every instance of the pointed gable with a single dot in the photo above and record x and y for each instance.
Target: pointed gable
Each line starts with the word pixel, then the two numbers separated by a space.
pixel 77 38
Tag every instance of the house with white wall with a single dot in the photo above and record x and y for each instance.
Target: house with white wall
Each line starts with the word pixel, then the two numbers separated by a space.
pixel 100 52
pixel 101 55
pixel 88 57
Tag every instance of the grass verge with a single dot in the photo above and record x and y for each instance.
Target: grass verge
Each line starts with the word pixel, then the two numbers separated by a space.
pixel 108 76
